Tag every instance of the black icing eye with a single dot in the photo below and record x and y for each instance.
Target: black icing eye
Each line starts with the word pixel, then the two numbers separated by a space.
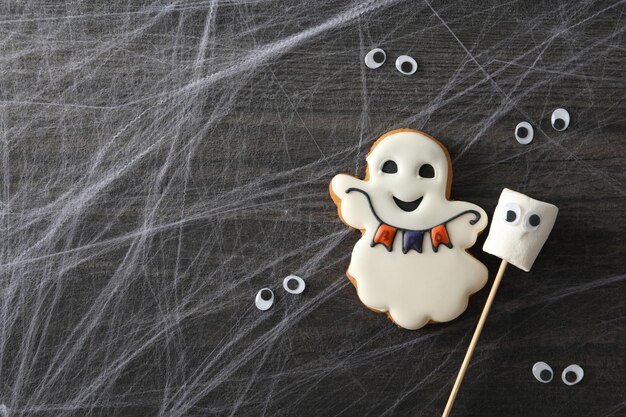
pixel 264 299
pixel 390 167
pixel 375 58
pixel 572 375
pixel 560 119
pixel 406 65
pixel 524 133
pixel 543 372
pixel 427 171
pixel 532 221
pixel 511 213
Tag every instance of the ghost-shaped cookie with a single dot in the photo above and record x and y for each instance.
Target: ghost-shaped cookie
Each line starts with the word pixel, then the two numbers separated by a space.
pixel 411 260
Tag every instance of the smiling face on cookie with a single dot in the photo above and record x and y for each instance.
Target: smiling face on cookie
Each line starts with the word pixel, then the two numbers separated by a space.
pixel 408 176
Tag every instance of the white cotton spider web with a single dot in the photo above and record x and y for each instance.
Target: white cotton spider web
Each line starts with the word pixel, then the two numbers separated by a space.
pixel 163 161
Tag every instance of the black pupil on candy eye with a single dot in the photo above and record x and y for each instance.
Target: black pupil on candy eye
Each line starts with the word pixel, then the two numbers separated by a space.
pixel 545 375
pixel 266 295
pixel 534 220
pixel 570 376
pixel 379 57
pixel 559 124
pixel 406 67
pixel 522 132
pixel 292 284
pixel 511 216
pixel 427 171
pixel 390 167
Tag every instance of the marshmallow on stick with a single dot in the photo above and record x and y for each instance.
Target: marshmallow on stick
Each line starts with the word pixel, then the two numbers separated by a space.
pixel 519 228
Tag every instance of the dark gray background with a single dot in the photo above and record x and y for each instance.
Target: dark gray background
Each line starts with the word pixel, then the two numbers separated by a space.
pixel 163 161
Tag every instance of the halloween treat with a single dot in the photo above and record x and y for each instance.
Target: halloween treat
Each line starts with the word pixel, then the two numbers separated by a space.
pixel 519 228
pixel 411 261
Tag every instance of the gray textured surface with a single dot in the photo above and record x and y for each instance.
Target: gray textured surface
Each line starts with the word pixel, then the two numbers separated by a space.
pixel 162 162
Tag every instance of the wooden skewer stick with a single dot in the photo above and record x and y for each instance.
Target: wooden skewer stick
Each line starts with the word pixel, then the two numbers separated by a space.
pixel 475 337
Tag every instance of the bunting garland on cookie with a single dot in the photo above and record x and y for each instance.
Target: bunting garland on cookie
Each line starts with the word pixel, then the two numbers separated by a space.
pixel 413 239
pixel 385 235
pixel 439 236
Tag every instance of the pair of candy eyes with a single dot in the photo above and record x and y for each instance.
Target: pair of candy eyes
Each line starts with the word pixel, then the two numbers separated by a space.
pixel 293 284
pixel 377 57
pixel 571 375
pixel 512 214
pixel 524 132
pixel 425 171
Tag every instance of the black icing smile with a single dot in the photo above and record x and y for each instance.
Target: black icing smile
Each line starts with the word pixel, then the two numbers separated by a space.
pixel 408 205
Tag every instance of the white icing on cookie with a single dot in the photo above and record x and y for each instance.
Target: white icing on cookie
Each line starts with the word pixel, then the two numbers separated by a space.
pixel 410 261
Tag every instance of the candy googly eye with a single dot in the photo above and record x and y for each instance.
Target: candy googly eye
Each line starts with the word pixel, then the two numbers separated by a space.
pixel 524 133
pixel 572 375
pixel 532 220
pixel 293 284
pixel 560 119
pixel 543 372
pixel 264 299
pixel 406 65
pixel 390 167
pixel 375 58
pixel 512 213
